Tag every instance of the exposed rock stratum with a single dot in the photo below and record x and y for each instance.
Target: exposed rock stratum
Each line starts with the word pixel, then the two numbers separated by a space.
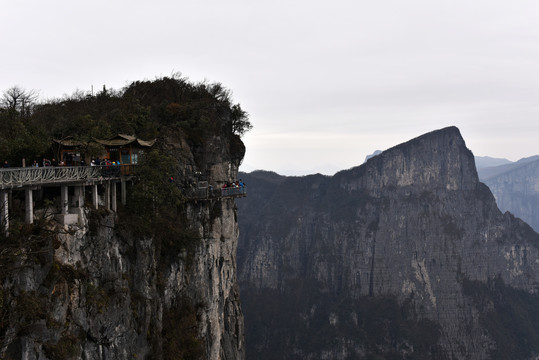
pixel 100 290
pixel 406 256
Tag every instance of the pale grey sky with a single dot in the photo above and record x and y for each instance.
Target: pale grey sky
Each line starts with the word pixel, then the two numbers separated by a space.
pixel 325 82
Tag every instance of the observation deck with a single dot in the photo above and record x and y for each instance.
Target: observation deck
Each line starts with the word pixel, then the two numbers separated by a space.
pixel 205 192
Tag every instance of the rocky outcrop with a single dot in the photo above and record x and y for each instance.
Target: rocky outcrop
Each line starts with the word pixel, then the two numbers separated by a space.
pixel 516 188
pixel 406 256
pixel 100 290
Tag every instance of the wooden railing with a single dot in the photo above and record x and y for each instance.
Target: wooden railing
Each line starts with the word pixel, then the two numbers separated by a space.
pixel 18 177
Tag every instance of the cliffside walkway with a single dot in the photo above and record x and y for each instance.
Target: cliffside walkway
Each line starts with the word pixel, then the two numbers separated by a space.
pixel 51 175
pixel 208 193
pixel 77 178
pixel 66 177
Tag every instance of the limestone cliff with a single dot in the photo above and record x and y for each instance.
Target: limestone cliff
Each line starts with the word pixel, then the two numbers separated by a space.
pixel 406 256
pixel 99 290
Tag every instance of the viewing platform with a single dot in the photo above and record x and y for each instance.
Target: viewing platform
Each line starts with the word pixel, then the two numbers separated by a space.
pixel 203 191
pixel 76 178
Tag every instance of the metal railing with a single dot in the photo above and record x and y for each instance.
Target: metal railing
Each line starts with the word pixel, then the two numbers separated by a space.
pixel 50 175
pixel 17 177
pixel 212 193
pixel 234 191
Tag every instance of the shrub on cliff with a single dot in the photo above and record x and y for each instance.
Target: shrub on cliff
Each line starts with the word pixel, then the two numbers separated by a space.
pixel 144 108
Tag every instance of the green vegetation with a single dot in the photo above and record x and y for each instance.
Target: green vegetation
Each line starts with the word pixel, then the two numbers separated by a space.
pixel 30 307
pixel 155 207
pixel 68 347
pixel 169 109
pixel 148 109
pixel 281 323
pixel 179 334
pixel 96 298
pixel 509 315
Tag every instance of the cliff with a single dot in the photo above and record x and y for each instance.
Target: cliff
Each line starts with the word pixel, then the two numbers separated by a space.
pixel 516 188
pixel 406 256
pixel 105 289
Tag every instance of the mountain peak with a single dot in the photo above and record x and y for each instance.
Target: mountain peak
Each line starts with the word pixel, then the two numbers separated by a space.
pixel 435 160
pixel 413 226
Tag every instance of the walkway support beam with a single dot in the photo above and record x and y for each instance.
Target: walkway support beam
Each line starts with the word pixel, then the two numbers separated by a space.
pixel 78 198
pixel 64 198
pixel 107 195
pixel 123 191
pixel 29 206
pixel 95 196
pixel 113 196
pixel 5 210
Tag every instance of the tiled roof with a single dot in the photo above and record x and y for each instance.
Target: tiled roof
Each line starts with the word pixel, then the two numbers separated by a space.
pixel 118 140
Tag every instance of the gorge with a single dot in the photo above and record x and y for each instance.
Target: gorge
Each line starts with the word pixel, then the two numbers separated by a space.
pixel 406 256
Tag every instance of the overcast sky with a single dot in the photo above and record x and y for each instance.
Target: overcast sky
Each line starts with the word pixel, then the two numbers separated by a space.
pixel 325 82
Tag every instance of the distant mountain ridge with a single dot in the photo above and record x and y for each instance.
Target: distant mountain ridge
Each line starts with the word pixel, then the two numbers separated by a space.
pixel 489 172
pixel 516 188
pixel 406 256
pixel 487 161
pixel 376 152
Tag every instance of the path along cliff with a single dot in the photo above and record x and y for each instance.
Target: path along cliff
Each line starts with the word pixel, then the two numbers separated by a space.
pixel 405 256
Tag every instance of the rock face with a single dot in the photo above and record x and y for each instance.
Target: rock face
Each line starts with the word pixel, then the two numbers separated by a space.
pixel 516 188
pixel 96 292
pixel 406 256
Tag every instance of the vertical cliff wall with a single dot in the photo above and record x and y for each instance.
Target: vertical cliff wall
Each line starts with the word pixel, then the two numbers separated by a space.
pixel 100 290
pixel 406 256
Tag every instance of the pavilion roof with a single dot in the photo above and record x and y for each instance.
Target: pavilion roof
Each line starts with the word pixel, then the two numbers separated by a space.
pixel 122 140
pixel 118 140
pixel 69 141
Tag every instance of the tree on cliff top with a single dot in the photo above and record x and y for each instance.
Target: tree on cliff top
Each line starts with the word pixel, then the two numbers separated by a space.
pixel 143 108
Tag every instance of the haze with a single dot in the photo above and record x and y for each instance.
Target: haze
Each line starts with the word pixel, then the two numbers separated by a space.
pixel 325 83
